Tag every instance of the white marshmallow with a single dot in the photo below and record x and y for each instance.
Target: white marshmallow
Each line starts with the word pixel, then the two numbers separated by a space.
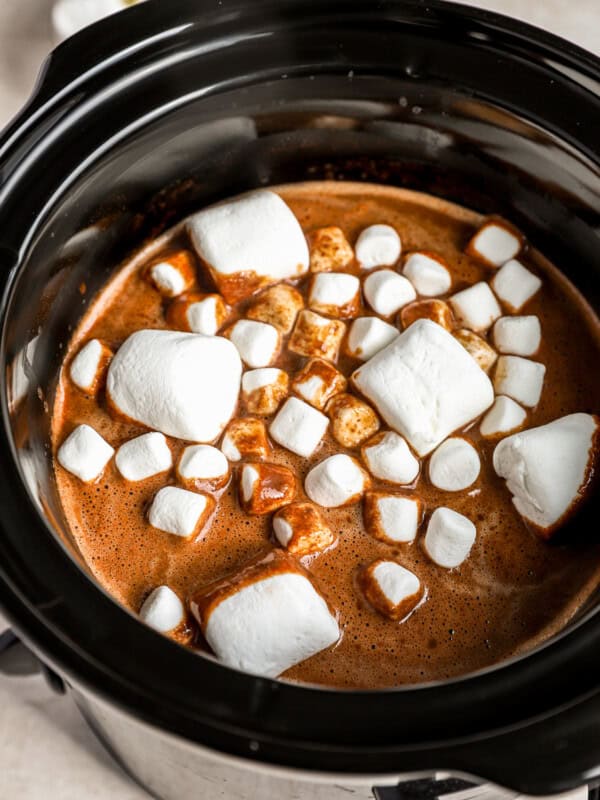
pixel 389 458
pixel 264 388
pixel 336 481
pixel 520 336
pixel 204 316
pixel 476 307
pixel 520 379
pixel 455 465
pixel 335 293
pixel 256 342
pixel 378 246
pixel 318 381
pixel 546 468
pixel 503 417
pixel 425 385
pixel 369 335
pixel 84 453
pixel 391 589
pixel 168 279
pixel 427 274
pixel 299 427
pixel 203 462
pixel 88 364
pixel 183 384
pixel 144 456
pixel 162 610
pixel 392 518
pixel 449 538
pixel 515 285
pixel 352 420
pixel 386 291
pixel 178 511
pixel 495 244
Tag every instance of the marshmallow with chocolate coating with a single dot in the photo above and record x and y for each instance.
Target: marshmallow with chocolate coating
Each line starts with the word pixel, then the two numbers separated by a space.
pixel 389 458
pixel 316 336
pixel 476 307
pixel 436 310
pixel 519 378
pixel 318 381
pixel 144 456
pixel 84 453
pixel 179 511
pixel 89 366
pixel 202 464
pixel 162 610
pixel 495 243
pixel 279 306
pixel 329 250
pixel 245 437
pixel 454 465
pixel 428 273
pixel 392 518
pixel 198 313
pixel 390 588
pixel 257 342
pixel 503 417
pixel 301 529
pixel 336 294
pixel 263 389
pixel 449 538
pixel 299 427
pixel 265 487
pixel 172 275
pixel 378 246
pixel 337 481
pixel 352 420
pixel 387 292
pixel 518 336
pixel 515 285
pixel 477 348
pixel 369 335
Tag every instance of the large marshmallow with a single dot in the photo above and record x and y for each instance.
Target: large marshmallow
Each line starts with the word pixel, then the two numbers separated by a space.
pixel 388 458
pixel 548 468
pixel 335 293
pixel 265 488
pixel 263 389
pixel 173 275
pixel 248 242
pixel 301 529
pixel 279 305
pixel 495 243
pixel 476 307
pixel 387 292
pixel 520 379
pixel 179 511
pixel 369 335
pixel 89 366
pixel 316 336
pixel 436 310
pixel 352 420
pixel 519 336
pixel 183 384
pixel 318 381
pixel 477 348
pixel 455 465
pixel 378 246
pixel 162 610
pixel 425 385
pixel 390 588
pixel 245 437
pixel 85 453
pixel 299 427
pixel 198 313
pixel 203 464
pixel 515 285
pixel 449 538
pixel 428 273
pixel 329 250
pixel 257 342
pixel 337 481
pixel 143 457
pixel 503 417
pixel 392 518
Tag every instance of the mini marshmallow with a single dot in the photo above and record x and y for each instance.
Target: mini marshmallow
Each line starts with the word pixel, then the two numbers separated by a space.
pixel 245 438
pixel 337 481
pixel 84 453
pixel 428 273
pixel 329 250
pixel 162 610
pixel 256 342
pixel 352 420
pixel 172 275
pixel 455 465
pixel 378 246
pixel 318 381
pixel 519 336
pixel 425 385
pixel 316 336
pixel 299 427
pixel 449 538
pixel 495 243
pixel 387 292
pixel 198 313
pixel 369 335
pixel 179 511
pixel 265 488
pixel 391 589
pixel 143 457
pixel 392 518
pixel 278 306
pixel 335 293
pixel 263 389
pixel 203 464
pixel 476 307
pixel 249 242
pixel 520 379
pixel 388 458
pixel 89 366
pixel 515 285
pixel 435 310
pixel 477 348
pixel 300 528
pixel 504 416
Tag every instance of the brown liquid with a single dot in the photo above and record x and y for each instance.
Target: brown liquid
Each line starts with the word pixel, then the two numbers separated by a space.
pixel 511 593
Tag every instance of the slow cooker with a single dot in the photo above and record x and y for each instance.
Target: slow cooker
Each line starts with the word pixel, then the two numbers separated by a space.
pixel 141 119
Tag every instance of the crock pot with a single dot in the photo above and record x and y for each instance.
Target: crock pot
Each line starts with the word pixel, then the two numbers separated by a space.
pixel 144 117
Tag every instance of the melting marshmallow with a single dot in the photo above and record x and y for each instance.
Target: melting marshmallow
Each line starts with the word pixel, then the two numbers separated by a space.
pixel 515 285
pixel 477 348
pixel 391 589
pixel 335 293
pixel 84 453
pixel 455 465
pixel 256 342
pixel 387 292
pixel 203 464
pixel 476 307
pixel 392 518
pixel 162 610
pixel 89 366
pixel 317 382
pixel 378 246
pixel 520 379
pixel 329 250
pixel 449 538
pixel 428 273
pixel 504 416
pixel 265 488
pixel 435 310
pixel 388 458
pixel 352 421
pixel 300 528
pixel 174 275
pixel 143 457
pixel 179 511
pixel 279 305
pixel 369 335
pixel 299 427
pixel 198 313
pixel 264 389
pixel 520 336
pixel 316 336
pixel 336 481
pixel 245 438
pixel 495 243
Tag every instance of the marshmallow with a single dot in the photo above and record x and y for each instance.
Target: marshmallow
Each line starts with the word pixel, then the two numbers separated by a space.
pixel 495 243
pixel 515 285
pixel 352 420
pixel 318 381
pixel 337 481
pixel 267 618
pixel 198 313
pixel 300 528
pixel 378 246
pixel 173 275
pixel 477 348
pixel 143 457
pixel 425 385
pixel 263 389
pixel 369 335
pixel 278 306
pixel 179 511
pixel 455 465
pixel 428 273
pixel 203 465
pixel 89 366
pixel 390 588
pixel 335 293
pixel 317 336
pixel 392 518
pixel 251 241
pixel 520 336
pixel 387 292
pixel 299 427
pixel 329 250
pixel 476 308
pixel 162 610
pixel 547 469
pixel 265 488
pixel 245 438
pixel 388 458
pixel 84 453
pixel 520 379
pixel 183 384
pixel 504 416
pixel 435 310
pixel 257 342
pixel 449 538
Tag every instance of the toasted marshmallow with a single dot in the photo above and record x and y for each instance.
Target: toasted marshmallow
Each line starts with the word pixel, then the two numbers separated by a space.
pixel 495 243
pixel 392 518
pixel 265 487
pixel 449 538
pixel 301 529
pixel 387 292
pixel 203 465
pixel 249 242
pixel 505 416
pixel 455 465
pixel 520 379
pixel 378 246
pixel 388 458
pixel 316 336
pixel 390 588
pixel 143 457
pixel 519 336
pixel 173 275
pixel 299 427
pixel 257 342
pixel 264 389
pixel 318 381
pixel 266 618
pixel 515 285
pixel 89 366
pixel 329 250
pixel 198 313
pixel 477 348
pixel 335 293
pixel 160 378
pixel 162 610
pixel 245 438
pixel 279 306
pixel 428 273
pixel 476 307
pixel 352 420
pixel 369 335
pixel 337 481
pixel 425 385
pixel 435 310
pixel 179 511
pixel 84 453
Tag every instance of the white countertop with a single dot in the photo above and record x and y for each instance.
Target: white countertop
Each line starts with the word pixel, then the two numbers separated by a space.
pixel 46 751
